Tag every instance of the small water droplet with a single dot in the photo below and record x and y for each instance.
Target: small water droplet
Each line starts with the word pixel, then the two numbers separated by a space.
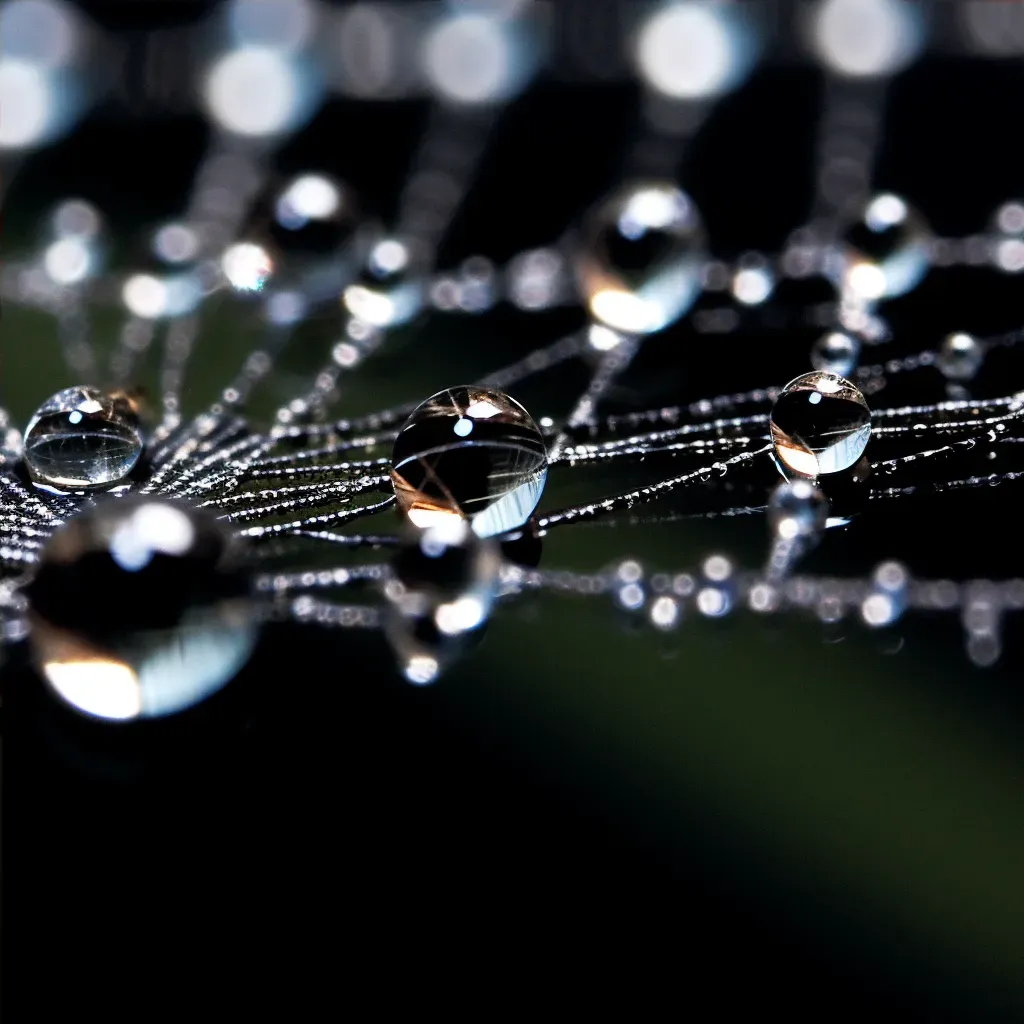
pixel 391 287
pixel 445 582
pixel 797 509
pixel 960 356
pixel 836 352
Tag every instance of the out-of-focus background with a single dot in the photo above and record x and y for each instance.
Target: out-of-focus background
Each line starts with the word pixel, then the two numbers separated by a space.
pixel 773 814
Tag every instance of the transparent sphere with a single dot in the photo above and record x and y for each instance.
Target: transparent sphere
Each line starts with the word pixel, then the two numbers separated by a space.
pixel 884 251
pixel 82 438
pixel 469 452
pixel 836 352
pixel 314 216
pixel 797 510
pixel 640 257
pixel 1009 218
pixel 138 609
pixel 444 586
pixel 167 280
pixel 247 267
pixel 303 234
pixel 960 356
pixel 753 284
pixel 73 244
pixel 391 286
pixel 820 424
pixel 75 218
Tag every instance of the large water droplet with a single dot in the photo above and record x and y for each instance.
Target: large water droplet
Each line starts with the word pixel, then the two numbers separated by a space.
pixel 138 609
pixel 82 438
pixel 469 452
pixel 640 258
pixel 820 423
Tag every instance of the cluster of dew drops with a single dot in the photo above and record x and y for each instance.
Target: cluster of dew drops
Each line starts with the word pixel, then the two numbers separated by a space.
pixel 131 550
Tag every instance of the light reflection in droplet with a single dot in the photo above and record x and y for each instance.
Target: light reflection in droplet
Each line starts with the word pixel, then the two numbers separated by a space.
pixel 246 266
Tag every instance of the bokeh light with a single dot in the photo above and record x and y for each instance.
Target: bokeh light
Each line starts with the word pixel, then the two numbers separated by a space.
pixel 475 59
pixel 866 38
pixel 693 50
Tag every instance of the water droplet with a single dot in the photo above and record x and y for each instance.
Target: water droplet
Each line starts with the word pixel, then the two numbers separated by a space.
pixel 884 251
pixel 82 438
pixel 445 583
pixel 314 215
pixel 167 279
pixel 247 267
pixel 665 612
pixel 492 473
pixel 820 423
pixel 75 218
pixel 836 352
pixel 753 284
pixel 640 258
pixel 138 609
pixel 390 289
pixel 1009 218
pixel 303 235
pixel 74 249
pixel 960 356
pixel 797 509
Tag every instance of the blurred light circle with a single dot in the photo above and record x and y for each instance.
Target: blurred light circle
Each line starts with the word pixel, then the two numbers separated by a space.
pixel 285 25
pixel 247 266
pixel 501 8
pixel 175 243
pixel 308 197
pixel 75 218
pixel 151 298
pixel 369 51
pixel 866 38
pixel 470 59
pixel 42 32
pixel 690 50
pixel 254 91
pixel 28 104
pixel 69 260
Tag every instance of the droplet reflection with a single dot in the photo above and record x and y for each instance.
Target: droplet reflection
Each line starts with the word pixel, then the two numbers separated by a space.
pixel 444 586
pixel 469 452
pixel 640 258
pixel 82 438
pixel 820 424
pixel 138 610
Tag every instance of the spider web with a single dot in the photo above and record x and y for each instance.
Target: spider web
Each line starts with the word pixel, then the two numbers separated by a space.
pixel 648 441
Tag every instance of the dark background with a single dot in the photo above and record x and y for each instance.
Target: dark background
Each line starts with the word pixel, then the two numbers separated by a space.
pixel 766 815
